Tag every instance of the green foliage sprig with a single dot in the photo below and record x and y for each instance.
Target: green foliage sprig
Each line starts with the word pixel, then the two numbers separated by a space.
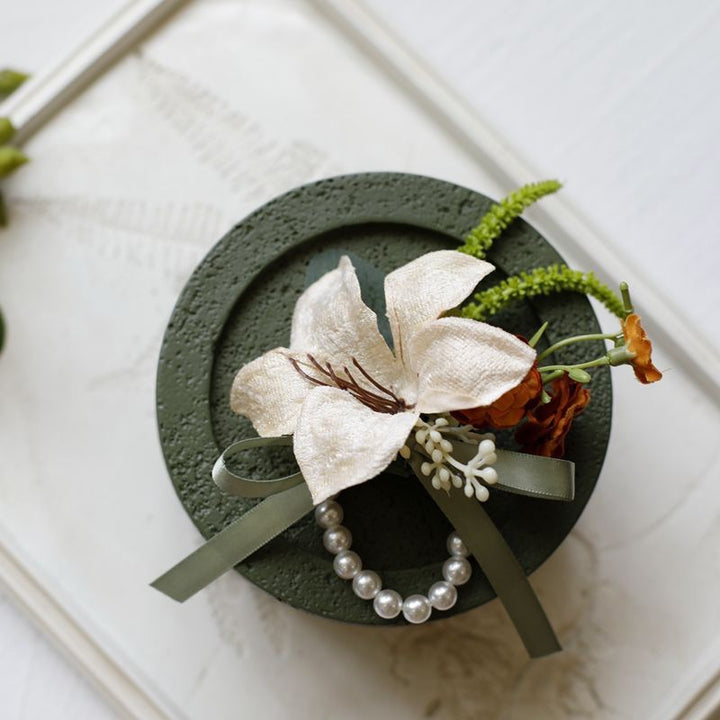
pixel 10 81
pixel 480 239
pixel 541 281
pixel 10 157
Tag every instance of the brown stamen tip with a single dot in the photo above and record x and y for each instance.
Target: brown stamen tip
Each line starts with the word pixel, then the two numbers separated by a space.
pixel 388 402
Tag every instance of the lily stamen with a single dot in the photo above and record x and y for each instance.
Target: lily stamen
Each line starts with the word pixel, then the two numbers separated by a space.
pixel 390 404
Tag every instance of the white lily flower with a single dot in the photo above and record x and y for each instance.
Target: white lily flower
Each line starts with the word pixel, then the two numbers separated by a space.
pixel 348 399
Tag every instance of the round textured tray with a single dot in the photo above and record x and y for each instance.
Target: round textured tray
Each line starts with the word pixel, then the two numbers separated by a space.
pixel 238 304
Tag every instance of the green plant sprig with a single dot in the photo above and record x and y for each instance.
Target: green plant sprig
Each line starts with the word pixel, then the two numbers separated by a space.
pixel 10 81
pixel 10 157
pixel 541 281
pixel 480 239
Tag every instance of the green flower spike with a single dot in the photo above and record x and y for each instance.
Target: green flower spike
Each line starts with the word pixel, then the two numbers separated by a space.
pixel 541 281
pixel 480 239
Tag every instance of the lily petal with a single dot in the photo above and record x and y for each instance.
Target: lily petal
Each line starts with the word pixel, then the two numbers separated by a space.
pixel 427 287
pixel 339 442
pixel 463 364
pixel 270 391
pixel 333 323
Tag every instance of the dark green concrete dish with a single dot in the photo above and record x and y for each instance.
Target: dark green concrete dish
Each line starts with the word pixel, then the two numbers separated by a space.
pixel 238 304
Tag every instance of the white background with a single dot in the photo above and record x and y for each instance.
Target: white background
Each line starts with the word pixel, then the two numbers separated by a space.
pixel 616 99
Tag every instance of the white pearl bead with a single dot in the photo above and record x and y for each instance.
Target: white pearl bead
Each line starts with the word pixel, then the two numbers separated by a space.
pixel 442 595
pixel 366 584
pixel 416 609
pixel 388 604
pixel 337 539
pixel 347 564
pixel 457 570
pixel 455 545
pixel 328 514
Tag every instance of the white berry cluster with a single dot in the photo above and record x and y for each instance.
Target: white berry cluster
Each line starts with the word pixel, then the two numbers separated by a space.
pixel 432 439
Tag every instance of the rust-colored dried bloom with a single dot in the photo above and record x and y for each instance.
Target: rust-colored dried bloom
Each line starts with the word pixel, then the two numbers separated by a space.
pixel 509 409
pixel 637 342
pixel 547 425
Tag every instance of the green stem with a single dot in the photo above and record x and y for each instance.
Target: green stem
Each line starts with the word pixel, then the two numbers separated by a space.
pixel 576 338
pixel 604 360
pixel 627 303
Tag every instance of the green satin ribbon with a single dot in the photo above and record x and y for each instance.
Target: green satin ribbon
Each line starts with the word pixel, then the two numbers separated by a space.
pixel 497 561
pixel 236 485
pixel 287 499
pixel 523 474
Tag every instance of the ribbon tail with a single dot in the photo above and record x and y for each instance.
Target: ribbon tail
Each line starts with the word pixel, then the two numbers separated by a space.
pixel 234 543
pixel 499 564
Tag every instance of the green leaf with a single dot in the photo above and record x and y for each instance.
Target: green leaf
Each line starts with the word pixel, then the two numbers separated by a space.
pixel 579 375
pixel 3 211
pixel 10 80
pixel 10 159
pixel 535 339
pixel 372 283
pixel 6 130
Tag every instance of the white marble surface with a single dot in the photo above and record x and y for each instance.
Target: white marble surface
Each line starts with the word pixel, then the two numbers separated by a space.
pixel 194 142
pixel 36 681
pixel 613 98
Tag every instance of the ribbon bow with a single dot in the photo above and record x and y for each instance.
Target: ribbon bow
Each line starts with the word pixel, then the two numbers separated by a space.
pixel 287 499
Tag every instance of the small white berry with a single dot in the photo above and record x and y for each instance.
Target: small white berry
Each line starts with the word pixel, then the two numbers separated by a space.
pixel 486 447
pixel 490 476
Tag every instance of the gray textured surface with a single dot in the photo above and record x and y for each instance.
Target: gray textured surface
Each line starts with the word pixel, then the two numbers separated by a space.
pixel 238 304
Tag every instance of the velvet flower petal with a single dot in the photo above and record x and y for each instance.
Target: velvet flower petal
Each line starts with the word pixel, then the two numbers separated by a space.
pixel 350 401
pixel 332 323
pixel 427 287
pixel 463 363
pixel 509 409
pixel 339 442
pixel 270 392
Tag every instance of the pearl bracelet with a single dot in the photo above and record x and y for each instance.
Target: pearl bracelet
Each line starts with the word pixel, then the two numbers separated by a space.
pixel 367 585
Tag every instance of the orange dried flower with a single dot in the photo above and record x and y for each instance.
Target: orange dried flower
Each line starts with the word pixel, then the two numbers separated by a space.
pixel 637 342
pixel 547 425
pixel 509 409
